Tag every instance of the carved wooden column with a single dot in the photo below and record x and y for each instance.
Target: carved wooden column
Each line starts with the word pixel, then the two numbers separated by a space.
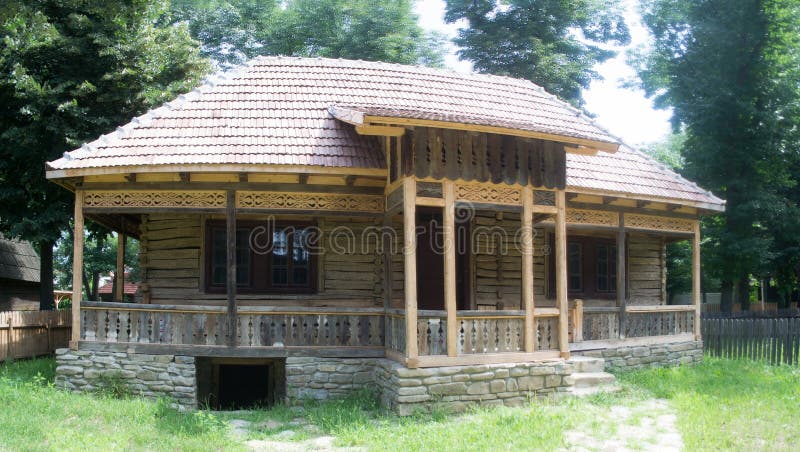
pixel 230 243
pixel 449 193
pixel 77 269
pixel 561 273
pixel 410 265
pixel 527 268
pixel 622 299
pixel 696 288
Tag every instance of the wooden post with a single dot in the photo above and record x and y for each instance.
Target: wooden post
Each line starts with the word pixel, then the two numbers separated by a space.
pixel 77 269
pixel 388 245
pixel 622 299
pixel 119 293
pixel 230 242
pixel 561 273
pixel 527 268
pixel 410 264
pixel 577 322
pixel 449 218
pixel 696 279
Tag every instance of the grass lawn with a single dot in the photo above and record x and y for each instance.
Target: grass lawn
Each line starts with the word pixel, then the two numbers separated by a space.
pixel 731 405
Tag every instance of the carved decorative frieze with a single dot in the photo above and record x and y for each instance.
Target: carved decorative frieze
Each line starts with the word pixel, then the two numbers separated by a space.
pixel 309 201
pixel 594 217
pixel 155 199
pixel 488 194
pixel 657 223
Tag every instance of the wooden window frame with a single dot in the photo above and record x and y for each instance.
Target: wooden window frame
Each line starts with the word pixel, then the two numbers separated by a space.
pixel 260 264
pixel 589 245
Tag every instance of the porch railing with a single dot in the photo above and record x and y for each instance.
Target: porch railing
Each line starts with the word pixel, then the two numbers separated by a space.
pixel 208 325
pixel 479 332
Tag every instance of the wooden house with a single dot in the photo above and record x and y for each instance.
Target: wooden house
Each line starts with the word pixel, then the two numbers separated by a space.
pixel 19 276
pixel 311 226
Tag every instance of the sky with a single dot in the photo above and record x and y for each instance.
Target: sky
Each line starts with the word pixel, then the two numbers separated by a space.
pixel 625 112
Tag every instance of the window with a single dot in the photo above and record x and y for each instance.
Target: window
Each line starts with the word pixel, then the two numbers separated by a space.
pixel 277 261
pixel 606 268
pixel 591 267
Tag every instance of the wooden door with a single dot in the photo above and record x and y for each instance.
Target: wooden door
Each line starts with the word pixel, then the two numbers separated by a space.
pixel 430 262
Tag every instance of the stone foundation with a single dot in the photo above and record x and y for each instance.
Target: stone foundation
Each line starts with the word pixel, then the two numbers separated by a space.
pixel 642 356
pixel 401 389
pixel 150 376
pixel 326 378
pixel 457 387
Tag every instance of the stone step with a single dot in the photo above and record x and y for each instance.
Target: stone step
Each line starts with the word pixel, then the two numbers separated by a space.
pixel 581 392
pixel 588 364
pixel 592 379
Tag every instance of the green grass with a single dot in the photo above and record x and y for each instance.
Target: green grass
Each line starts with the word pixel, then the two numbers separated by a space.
pixel 728 404
pixel 721 405
pixel 37 416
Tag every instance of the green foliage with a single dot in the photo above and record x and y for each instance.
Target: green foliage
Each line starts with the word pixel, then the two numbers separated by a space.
pixel 71 70
pixel 730 76
pixel 232 31
pixel 554 43
pixel 99 258
pixel 668 151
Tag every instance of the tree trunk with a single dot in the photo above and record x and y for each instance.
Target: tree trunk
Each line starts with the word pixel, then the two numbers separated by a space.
pixel 46 299
pixel 726 300
pixel 86 287
pixel 744 292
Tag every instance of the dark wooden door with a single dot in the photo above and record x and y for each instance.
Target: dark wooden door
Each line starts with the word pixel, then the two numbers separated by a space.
pixel 430 262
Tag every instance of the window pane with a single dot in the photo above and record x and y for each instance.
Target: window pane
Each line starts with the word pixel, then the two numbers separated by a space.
pixel 300 276
pixel 602 268
pixel 280 276
pixel 279 248
pixel 612 273
pixel 243 257
pixel 218 258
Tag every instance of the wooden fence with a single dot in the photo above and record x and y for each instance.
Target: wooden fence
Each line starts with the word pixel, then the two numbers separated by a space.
pixel 25 334
pixel 776 340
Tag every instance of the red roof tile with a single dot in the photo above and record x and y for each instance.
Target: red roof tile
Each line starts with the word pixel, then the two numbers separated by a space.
pixel 275 111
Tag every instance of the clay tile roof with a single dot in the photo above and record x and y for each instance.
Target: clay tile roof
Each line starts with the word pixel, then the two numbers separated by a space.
pixel 277 111
pixel 18 261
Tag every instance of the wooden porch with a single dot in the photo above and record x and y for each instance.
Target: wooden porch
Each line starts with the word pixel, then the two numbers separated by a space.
pixel 505 174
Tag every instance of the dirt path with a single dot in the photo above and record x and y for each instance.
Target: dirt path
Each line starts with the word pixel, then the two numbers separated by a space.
pixel 650 425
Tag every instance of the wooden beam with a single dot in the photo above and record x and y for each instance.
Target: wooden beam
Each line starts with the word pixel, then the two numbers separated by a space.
pixel 388 273
pixel 696 275
pixel 119 274
pixel 388 131
pixel 216 168
pixel 350 180
pixel 622 299
pixel 581 150
pixel 561 273
pixel 184 176
pixel 410 265
pixel 77 269
pixel 302 179
pixel 527 268
pixel 230 243
pixel 130 177
pixel 599 145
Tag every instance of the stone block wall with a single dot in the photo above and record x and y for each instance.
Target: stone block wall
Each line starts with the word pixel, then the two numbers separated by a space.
pixel 639 357
pixel 150 376
pixel 326 378
pixel 454 388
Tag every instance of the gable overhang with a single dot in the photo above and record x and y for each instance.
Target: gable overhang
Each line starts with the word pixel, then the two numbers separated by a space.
pixel 371 124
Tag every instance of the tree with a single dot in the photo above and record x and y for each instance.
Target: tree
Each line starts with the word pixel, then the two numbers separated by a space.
pixel 99 258
pixel 71 70
pixel 233 31
pixel 554 43
pixel 730 76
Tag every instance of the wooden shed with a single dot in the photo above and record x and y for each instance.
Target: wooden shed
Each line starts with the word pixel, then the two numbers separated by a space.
pixel 19 276
pixel 315 211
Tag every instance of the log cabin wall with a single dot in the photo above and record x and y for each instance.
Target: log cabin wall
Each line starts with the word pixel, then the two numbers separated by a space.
pixel 646 270
pixel 172 265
